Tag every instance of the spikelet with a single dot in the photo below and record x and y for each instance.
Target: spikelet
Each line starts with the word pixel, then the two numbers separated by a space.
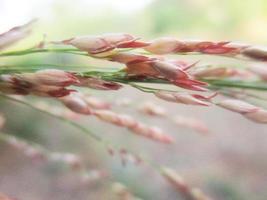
pixel 150 108
pixel 30 151
pixel 76 103
pixel 169 70
pixel 177 76
pixel 191 123
pixel 53 77
pixel 128 58
pixel 14 35
pixel 136 127
pixel 183 188
pixel 93 176
pixel 114 118
pixel 175 179
pixel 260 116
pixel 96 103
pixel 255 53
pixel 219 72
pixel 260 70
pixel 164 45
pixel 69 159
pixel 10 85
pixel 249 111
pixel 238 106
pixel 29 83
pixel 122 192
pixel 154 133
pixel 184 98
pixel 38 153
pixel 50 91
pixel 97 83
pixel 123 101
pixel 104 43
pixel 172 45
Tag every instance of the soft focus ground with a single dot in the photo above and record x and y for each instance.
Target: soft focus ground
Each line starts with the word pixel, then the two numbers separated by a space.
pixel 230 163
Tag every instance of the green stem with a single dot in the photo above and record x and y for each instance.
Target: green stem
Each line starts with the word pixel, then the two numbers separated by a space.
pixel 34 50
pixel 53 50
pixel 142 88
pixel 237 84
pixel 34 67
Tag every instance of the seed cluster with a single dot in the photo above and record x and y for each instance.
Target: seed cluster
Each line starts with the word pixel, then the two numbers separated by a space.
pixel 143 62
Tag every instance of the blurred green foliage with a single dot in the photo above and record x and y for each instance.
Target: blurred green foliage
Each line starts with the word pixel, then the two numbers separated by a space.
pixel 203 19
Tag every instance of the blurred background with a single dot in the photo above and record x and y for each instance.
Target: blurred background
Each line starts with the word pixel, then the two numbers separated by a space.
pixel 229 163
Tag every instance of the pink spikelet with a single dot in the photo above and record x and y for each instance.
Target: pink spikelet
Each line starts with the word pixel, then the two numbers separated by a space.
pixel 150 108
pixel 191 123
pixel 128 58
pixel 76 103
pixel 97 83
pixel 178 76
pixel 10 85
pixel 124 101
pixel 30 83
pixel 255 53
pixel 259 69
pixel 114 118
pixel 97 103
pixel 32 152
pixel 133 125
pixel 72 160
pixel 175 179
pixel 184 98
pixel 153 133
pixel 260 116
pixel 238 106
pixel 49 91
pixel 164 45
pixel 220 72
pixel 53 77
pixel 122 192
pixel 172 45
pixel 93 176
pixel 182 187
pixel 169 71
pixel 136 65
pixel 105 43
pixel 14 35
pixel 249 111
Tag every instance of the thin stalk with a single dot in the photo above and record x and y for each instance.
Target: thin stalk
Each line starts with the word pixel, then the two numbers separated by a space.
pixel 35 67
pixel 33 51
pixel 53 50
pixel 142 88
pixel 237 84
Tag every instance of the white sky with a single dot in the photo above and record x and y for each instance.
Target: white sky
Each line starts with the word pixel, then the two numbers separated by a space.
pixel 16 12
